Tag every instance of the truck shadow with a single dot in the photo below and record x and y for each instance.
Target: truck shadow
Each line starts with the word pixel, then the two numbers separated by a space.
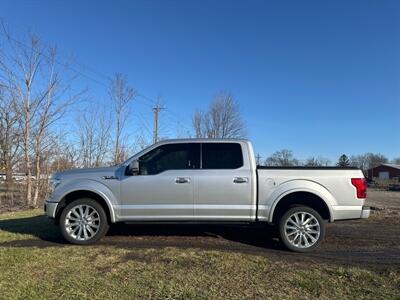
pixel 40 227
pixel 46 234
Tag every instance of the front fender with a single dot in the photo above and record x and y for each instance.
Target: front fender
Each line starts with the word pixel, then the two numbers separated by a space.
pixel 298 185
pixel 87 185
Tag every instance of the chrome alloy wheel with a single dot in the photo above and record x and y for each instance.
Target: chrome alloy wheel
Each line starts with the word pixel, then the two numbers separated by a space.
pixel 302 229
pixel 82 222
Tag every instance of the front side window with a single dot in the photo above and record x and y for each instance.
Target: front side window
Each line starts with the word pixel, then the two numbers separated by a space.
pixel 221 156
pixel 170 157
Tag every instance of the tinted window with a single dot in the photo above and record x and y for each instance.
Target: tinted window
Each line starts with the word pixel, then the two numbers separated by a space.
pixel 221 156
pixel 170 157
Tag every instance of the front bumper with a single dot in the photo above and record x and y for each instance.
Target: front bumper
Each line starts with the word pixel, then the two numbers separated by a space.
pixel 366 211
pixel 50 209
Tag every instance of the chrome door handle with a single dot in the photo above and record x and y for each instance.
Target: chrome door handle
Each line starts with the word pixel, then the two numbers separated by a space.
pixel 240 180
pixel 182 180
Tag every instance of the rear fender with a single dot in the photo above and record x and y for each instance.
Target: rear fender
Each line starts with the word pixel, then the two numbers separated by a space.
pixel 300 185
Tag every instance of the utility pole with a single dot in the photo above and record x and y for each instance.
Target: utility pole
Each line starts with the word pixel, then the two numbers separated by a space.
pixel 156 111
pixel 258 159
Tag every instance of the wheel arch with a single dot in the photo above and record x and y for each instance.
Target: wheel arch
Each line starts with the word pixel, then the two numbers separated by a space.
pixel 99 197
pixel 308 198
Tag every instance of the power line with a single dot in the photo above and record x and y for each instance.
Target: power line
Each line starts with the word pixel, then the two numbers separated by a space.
pixel 177 118
pixel 91 69
pixel 67 66
pixel 145 124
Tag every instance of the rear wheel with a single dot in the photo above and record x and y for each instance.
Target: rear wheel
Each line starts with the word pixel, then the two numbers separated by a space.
pixel 301 229
pixel 83 222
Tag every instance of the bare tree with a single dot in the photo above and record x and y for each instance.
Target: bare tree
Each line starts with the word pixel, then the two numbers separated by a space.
pixel 56 102
pixel 121 95
pixel 39 98
pixel 367 161
pixel 198 124
pixel 282 158
pixel 142 141
pixel 376 159
pixel 65 153
pixel 9 132
pixel 10 139
pixel 94 138
pixel 317 162
pixel 21 68
pixel 360 161
pixel 222 119
pixel 396 161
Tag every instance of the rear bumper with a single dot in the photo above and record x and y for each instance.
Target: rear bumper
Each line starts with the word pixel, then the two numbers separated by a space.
pixel 351 212
pixel 366 211
pixel 50 209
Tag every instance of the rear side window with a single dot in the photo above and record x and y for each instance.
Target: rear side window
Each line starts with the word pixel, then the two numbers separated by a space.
pixel 221 156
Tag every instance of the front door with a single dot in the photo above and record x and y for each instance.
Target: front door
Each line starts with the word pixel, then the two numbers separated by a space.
pixel 163 188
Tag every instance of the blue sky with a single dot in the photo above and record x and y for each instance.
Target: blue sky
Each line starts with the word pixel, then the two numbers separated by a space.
pixel 316 77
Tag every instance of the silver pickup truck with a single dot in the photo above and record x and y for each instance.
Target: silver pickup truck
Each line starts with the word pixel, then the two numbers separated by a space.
pixel 203 180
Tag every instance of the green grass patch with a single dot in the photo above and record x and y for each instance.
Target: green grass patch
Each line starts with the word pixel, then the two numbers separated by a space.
pixel 52 271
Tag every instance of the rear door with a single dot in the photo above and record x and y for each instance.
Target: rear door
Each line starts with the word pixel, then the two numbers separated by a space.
pixel 223 188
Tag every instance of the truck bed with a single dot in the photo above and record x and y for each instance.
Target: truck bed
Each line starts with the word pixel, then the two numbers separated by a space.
pixel 333 184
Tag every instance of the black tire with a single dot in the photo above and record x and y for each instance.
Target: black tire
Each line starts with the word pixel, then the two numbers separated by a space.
pixel 91 205
pixel 289 242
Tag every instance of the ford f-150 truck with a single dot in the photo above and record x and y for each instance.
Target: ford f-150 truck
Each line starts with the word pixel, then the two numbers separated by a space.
pixel 206 180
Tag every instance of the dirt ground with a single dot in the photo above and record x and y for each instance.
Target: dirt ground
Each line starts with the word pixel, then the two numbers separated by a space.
pixel 372 243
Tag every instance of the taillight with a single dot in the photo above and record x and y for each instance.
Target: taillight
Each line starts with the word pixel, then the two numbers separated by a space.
pixel 361 186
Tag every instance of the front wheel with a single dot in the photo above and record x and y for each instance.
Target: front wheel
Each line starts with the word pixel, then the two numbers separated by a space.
pixel 83 222
pixel 301 229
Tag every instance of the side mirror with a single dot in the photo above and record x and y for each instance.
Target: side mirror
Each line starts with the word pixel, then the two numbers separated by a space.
pixel 133 167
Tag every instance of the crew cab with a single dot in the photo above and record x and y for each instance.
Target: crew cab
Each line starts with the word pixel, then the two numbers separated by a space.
pixel 206 180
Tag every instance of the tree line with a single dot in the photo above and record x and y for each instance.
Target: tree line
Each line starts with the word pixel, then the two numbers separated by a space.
pixel 286 158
